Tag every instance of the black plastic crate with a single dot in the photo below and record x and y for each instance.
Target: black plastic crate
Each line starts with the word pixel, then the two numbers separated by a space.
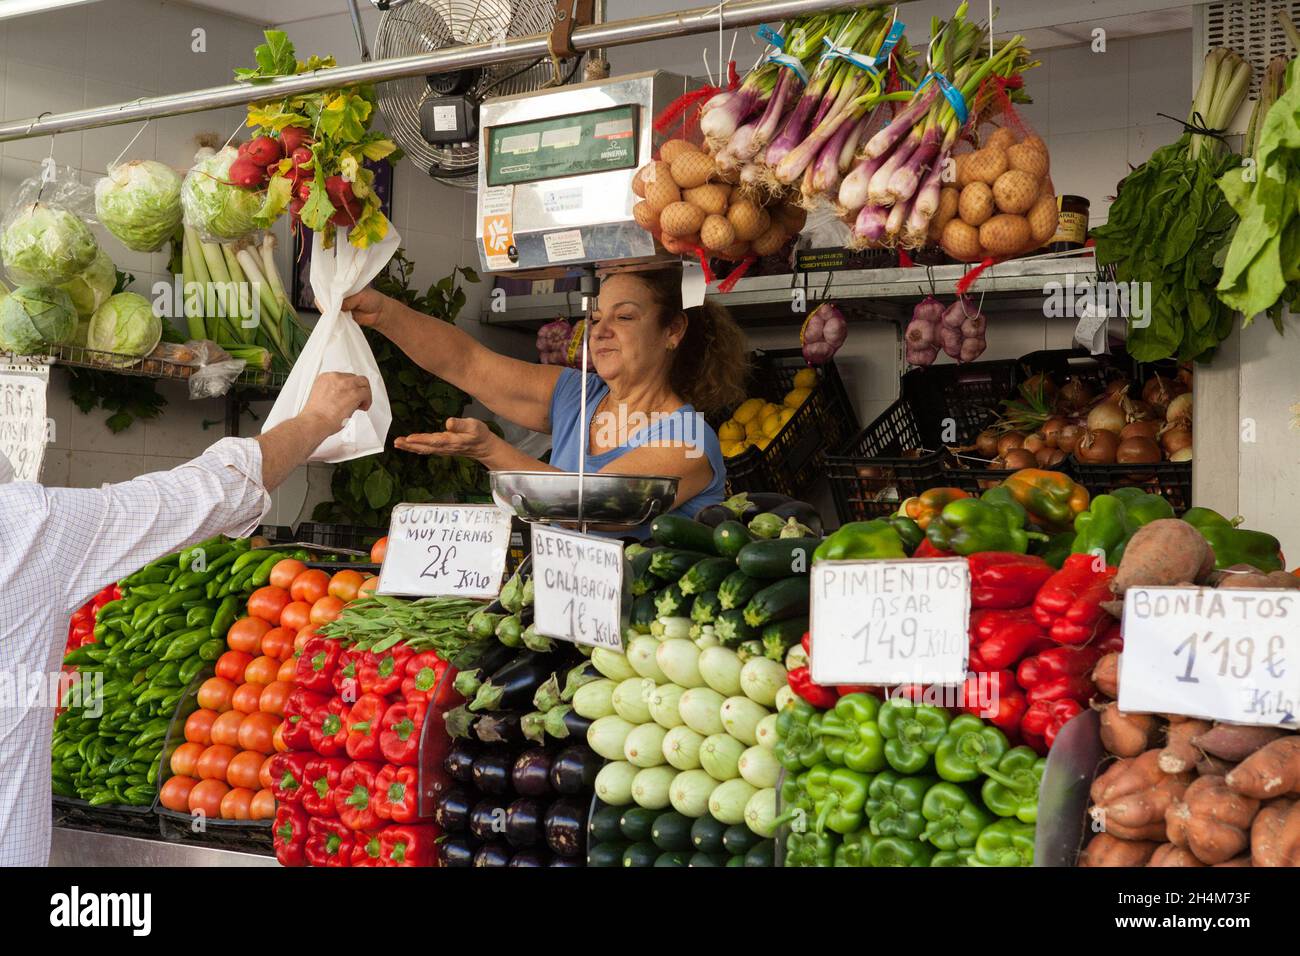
pixel 350 536
pixel 75 813
pixel 953 403
pixel 869 477
pixel 1170 479
pixel 794 459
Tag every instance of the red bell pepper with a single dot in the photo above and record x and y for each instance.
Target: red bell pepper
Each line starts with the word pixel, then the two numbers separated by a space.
pixel 409 845
pixel 383 673
pixel 1112 640
pixel 289 835
pixel 329 843
pixel 999 638
pixel 1000 579
pixel 424 678
pixel 995 697
pixel 345 676
pixel 297 709
pixel 1056 662
pixel 288 776
pixel 800 681
pixel 397 794
pixel 317 664
pixel 399 738
pixel 1069 604
pixel 321 777
pixel 927 550
pixel 354 797
pixel 367 850
pixel 328 728
pixel 365 720
pixel 1044 720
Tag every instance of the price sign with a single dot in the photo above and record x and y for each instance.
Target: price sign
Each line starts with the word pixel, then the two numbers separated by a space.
pixel 1222 654
pixel 890 622
pixel 23 423
pixel 446 551
pixel 578 581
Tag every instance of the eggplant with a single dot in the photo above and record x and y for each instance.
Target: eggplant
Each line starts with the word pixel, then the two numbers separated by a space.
pixel 487 819
pixel 460 723
pixel 566 861
pixel 456 851
pixel 514 684
pixel 523 822
pixel 548 695
pixel 459 762
pixel 502 728
pixel 530 858
pixel 487 656
pixel 580 674
pixel 491 772
pixel 802 512
pixel 574 769
pixel 452 811
pixel 531 773
pixel 533 725
pixel 564 722
pixel 536 642
pixel 492 855
pixel 565 826
pixel 714 515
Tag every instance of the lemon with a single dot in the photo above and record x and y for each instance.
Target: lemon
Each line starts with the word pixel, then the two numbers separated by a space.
pixel 731 431
pixel 771 408
pixel 748 410
pixel 785 415
pixel 754 430
pixel 772 425
pixel 797 397
pixel 730 449
pixel 763 442
pixel 805 378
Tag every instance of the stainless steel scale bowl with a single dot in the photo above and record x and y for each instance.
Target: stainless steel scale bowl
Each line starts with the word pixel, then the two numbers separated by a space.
pixel 609 501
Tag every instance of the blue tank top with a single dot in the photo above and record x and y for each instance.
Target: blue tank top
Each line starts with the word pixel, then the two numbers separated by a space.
pixel 684 424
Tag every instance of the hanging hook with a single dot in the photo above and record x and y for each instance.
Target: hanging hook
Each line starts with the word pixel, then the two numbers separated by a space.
pixel 929 50
pixel 830 277
pixel 929 277
pixel 137 135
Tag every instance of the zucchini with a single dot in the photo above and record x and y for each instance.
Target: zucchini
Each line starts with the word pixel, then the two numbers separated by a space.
pixel 729 537
pixel 762 853
pixel 670 563
pixel 778 558
pixel 736 861
pixel 706 575
pixel 785 633
pixel 606 854
pixel 740 839
pixel 643 853
pixel 707 859
pixel 706 608
pixel 690 793
pixel 650 787
pixel 706 835
pixel 637 822
pixel 766 525
pixel 737 588
pixel 603 825
pixel 731 628
pixel 672 858
pixel 671 831
pixel 644 612
pixel 777 602
pixel 671 602
pixel 686 534
pixel 646 583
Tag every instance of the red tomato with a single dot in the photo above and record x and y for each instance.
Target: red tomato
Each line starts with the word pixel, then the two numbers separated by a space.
pixel 214 761
pixel 245 635
pixel 185 759
pixel 277 643
pixel 244 770
pixel 277 739
pixel 264 777
pixel 225 729
pixel 263 805
pixel 287 670
pixel 310 586
pixel 231 664
pixel 205 798
pixel 379 550
pixel 175 793
pixel 303 636
pixel 235 805
pixel 345 584
pixel 274 696
pixel 368 586
pixel 268 602
pixel 285 571
pixel 247 698
pixel 215 694
pixel 325 610
pixel 262 670
pixel 296 616
pixel 198 726
pixel 257 732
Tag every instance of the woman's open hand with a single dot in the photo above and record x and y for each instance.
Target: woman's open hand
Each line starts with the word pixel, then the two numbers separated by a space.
pixel 367 307
pixel 463 437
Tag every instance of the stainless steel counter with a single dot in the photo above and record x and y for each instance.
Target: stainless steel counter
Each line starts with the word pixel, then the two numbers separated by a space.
pixel 88 848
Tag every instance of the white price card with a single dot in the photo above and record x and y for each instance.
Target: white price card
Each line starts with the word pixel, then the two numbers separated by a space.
pixel 24 428
pixel 890 622
pixel 578 587
pixel 1231 654
pixel 446 551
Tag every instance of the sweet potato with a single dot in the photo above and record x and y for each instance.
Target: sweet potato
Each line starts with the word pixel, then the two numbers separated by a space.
pixel 1180 754
pixel 1107 850
pixel 1235 742
pixel 1214 767
pixel 1169 855
pixel 1106 675
pixel 1211 820
pixel 1249 576
pixel 1126 735
pixel 1236 861
pixel 1164 552
pixel 1130 799
pixel 1275 834
pixel 1271 771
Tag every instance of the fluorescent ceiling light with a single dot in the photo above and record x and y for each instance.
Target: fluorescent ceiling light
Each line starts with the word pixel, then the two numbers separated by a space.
pixel 21 8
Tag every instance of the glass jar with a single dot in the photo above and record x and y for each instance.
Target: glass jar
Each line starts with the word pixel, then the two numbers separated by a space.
pixel 1072 224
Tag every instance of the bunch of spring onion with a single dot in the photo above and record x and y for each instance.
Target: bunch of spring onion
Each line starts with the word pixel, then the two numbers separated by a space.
pixel 234 297
pixel 892 192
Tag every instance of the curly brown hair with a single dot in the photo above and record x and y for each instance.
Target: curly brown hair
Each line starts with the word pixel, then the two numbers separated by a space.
pixel 712 359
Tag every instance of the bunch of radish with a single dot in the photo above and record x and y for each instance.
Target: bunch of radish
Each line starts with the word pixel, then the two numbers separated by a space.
pixel 958 329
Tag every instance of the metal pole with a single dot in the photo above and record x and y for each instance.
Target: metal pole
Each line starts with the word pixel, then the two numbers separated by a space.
pixel 597 36
pixel 359 30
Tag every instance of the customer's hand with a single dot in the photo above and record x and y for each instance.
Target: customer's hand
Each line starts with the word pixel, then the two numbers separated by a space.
pixel 464 437
pixel 367 307
pixel 334 397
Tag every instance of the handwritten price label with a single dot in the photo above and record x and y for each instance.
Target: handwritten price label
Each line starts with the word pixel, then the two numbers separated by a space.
pixel 446 551
pixel 23 426
pixel 578 582
pixel 890 622
pixel 1222 654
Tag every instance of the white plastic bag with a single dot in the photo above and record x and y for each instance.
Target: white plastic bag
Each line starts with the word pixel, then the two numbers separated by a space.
pixel 337 344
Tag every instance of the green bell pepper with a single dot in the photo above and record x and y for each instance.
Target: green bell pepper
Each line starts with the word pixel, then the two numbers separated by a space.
pixel 1233 545
pixel 809 849
pixel 894 804
pixel 1011 789
pixel 839 796
pixel 953 819
pixel 862 540
pixel 908 530
pixel 992 522
pixel 798 737
pixel 896 851
pixel 855 850
pixel 912 733
pixel 967 748
pixel 952 858
pixel 1005 843
pixel 851 736
pixel 1111 521
pixel 1055 549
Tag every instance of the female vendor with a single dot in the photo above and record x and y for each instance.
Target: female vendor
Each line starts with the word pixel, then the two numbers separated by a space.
pixel 659 370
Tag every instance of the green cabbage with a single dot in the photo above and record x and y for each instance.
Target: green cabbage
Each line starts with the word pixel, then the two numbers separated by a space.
pixel 36 316
pixel 220 211
pixel 46 245
pixel 125 325
pixel 93 285
pixel 140 203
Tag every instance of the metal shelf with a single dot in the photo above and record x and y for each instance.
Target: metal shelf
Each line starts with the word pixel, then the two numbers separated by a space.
pixel 162 369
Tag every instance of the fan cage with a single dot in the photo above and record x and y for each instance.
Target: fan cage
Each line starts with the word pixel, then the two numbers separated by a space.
pixel 1251 28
